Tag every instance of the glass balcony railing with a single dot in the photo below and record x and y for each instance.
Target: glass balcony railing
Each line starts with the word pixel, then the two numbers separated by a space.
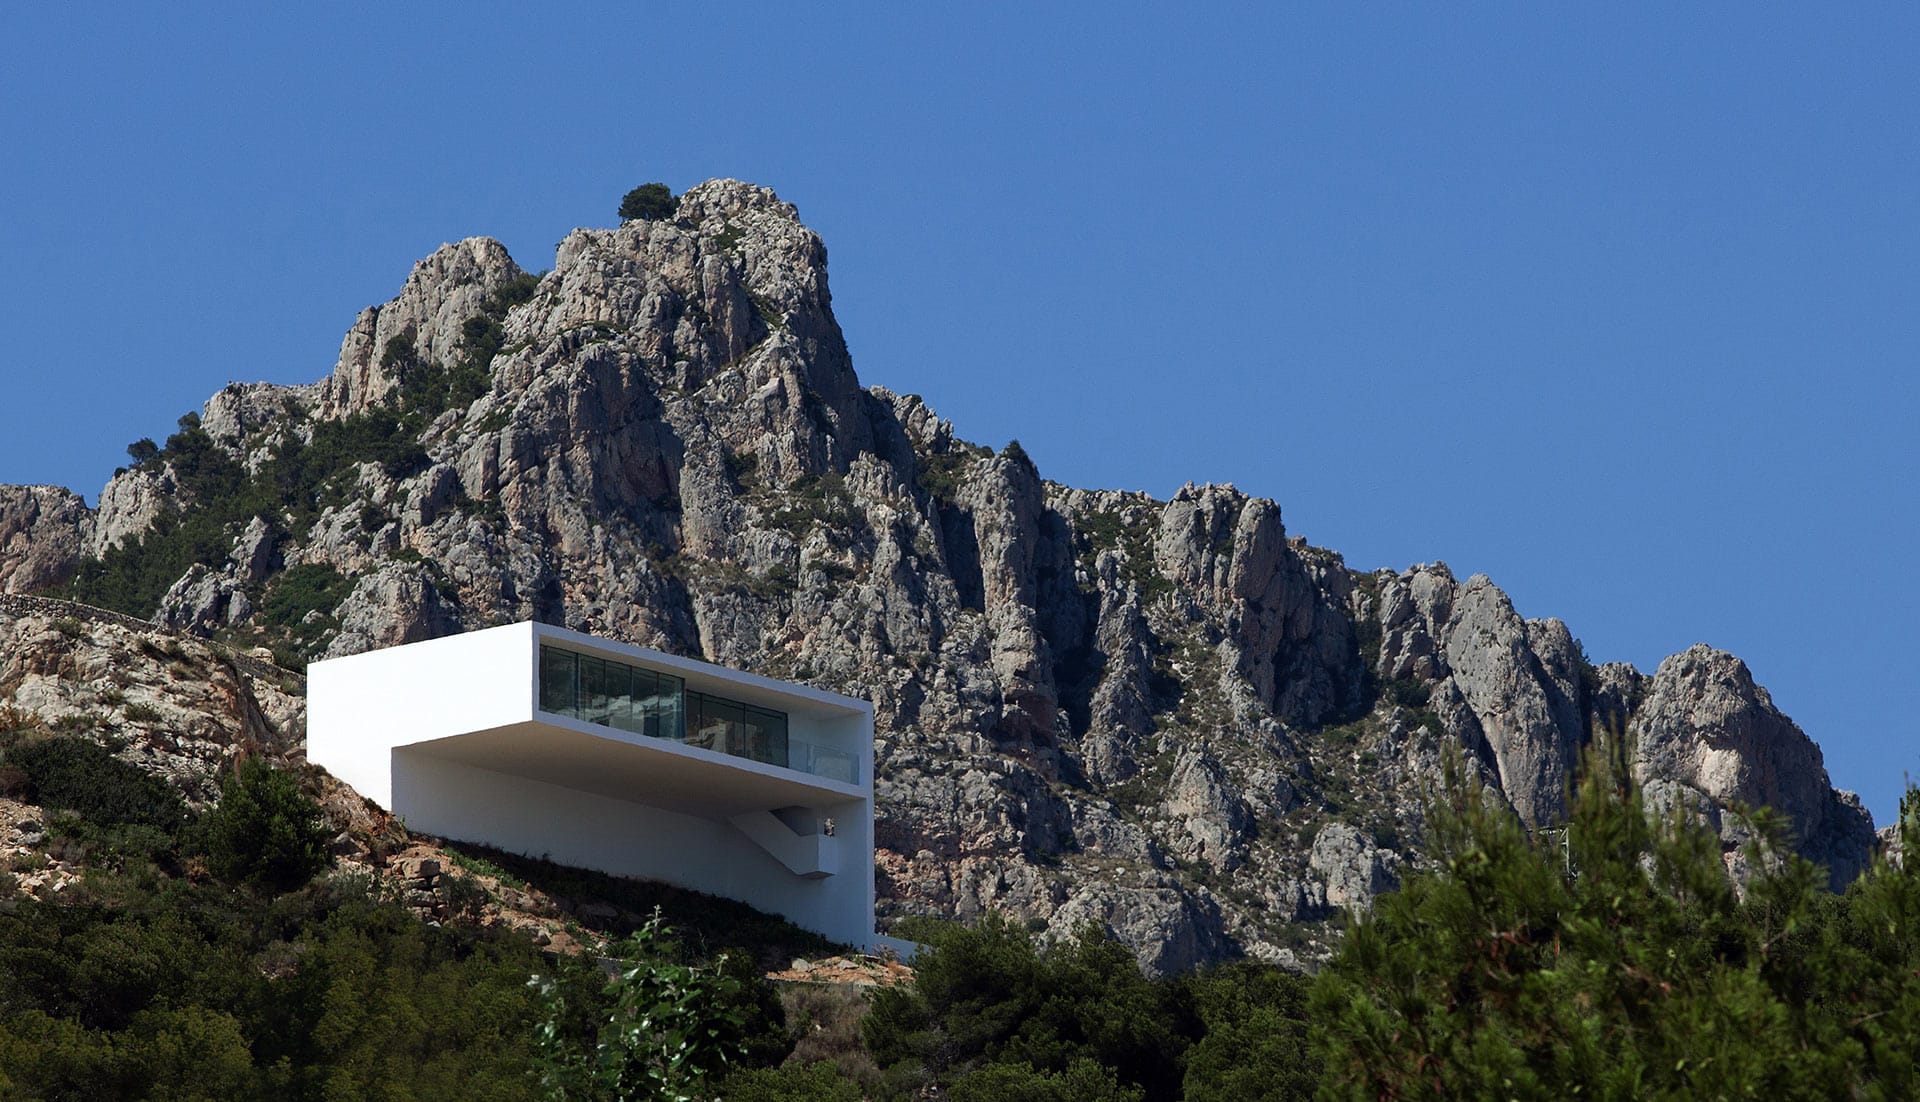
pixel 659 705
pixel 835 765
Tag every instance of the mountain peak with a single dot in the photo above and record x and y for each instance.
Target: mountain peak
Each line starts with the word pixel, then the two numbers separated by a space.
pixel 1091 705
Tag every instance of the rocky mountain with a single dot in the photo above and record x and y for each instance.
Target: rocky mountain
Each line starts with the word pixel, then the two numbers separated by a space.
pixel 1169 717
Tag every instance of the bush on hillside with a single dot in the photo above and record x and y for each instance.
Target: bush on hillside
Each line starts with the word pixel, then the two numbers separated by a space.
pixel 819 1081
pixel 79 775
pixel 986 995
pixel 265 831
pixel 673 1030
pixel 191 990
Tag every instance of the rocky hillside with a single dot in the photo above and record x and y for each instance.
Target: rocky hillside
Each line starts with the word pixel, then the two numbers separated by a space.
pixel 1169 717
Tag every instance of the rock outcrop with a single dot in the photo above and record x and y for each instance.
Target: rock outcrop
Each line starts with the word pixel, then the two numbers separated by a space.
pixel 1709 738
pixel 423 324
pixel 1171 718
pixel 1509 687
pixel 44 531
pixel 178 707
pixel 1353 869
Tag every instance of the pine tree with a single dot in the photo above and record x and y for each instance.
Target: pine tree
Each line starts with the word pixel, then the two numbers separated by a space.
pixel 648 202
pixel 1615 959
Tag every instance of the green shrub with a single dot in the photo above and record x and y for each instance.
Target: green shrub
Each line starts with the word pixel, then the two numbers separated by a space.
pixel 940 474
pixel 672 1032
pixel 303 589
pixel 649 202
pixel 815 499
pixel 80 775
pixel 771 941
pixel 728 237
pixel 218 495
pixel 1256 1043
pixel 265 830
pixel 401 356
pixel 742 465
pixel 1109 531
pixel 824 1020
pixel 1083 1080
pixel 986 995
pixel 464 896
pixel 1017 454
pixel 819 1081
pixel 1409 692
pixel 192 991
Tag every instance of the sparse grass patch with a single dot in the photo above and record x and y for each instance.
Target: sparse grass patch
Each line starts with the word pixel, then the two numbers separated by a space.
pixel 1108 530
pixel 824 1019
pixel 771 941
pixel 479 865
pixel 815 499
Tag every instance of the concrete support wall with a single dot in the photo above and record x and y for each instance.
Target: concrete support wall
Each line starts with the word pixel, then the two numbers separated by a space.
pixel 458 801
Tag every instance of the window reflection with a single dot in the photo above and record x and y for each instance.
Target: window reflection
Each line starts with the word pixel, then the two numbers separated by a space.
pixel 648 702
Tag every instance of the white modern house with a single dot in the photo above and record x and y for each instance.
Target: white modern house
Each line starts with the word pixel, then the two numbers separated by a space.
pixel 539 740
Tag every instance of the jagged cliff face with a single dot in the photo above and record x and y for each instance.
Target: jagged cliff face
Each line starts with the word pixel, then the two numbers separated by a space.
pixel 1167 717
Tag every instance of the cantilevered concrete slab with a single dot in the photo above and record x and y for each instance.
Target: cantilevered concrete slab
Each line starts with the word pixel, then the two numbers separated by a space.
pixel 709 778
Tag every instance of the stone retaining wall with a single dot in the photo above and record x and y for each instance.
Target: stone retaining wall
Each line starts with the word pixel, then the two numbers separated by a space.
pixel 20 604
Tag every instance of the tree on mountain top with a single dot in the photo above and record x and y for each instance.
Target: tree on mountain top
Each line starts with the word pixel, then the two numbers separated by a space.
pixel 649 203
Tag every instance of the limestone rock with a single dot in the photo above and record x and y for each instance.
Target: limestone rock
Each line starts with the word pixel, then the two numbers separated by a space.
pixel 1172 930
pixel 202 600
pixel 1283 617
pixel 194 708
pixel 1353 870
pixel 396 604
pixel 245 418
pixel 1892 844
pixel 1707 730
pixel 1120 716
pixel 444 290
pixel 1509 688
pixel 130 503
pixel 44 531
pixel 256 553
pixel 1215 819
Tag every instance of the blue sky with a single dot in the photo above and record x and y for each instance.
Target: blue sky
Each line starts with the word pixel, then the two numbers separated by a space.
pixel 1616 308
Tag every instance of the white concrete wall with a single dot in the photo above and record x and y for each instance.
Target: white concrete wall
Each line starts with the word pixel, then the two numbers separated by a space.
pixel 366 710
pixel 360 707
pixel 591 831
